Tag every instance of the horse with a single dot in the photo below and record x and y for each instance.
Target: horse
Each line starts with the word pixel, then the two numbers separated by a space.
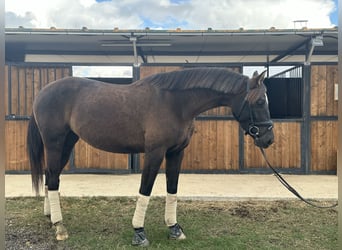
pixel 154 115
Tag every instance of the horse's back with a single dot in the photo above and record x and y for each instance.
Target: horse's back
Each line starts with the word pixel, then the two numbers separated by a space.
pixel 56 101
pixel 93 110
pixel 67 91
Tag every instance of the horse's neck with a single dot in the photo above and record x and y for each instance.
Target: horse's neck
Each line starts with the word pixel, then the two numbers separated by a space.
pixel 194 102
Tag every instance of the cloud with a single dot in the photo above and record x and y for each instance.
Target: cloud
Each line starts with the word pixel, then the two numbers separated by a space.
pixel 16 20
pixel 168 14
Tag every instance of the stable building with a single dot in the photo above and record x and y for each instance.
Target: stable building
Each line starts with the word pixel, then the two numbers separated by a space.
pixel 302 89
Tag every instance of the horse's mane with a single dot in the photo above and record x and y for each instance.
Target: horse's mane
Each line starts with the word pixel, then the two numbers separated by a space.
pixel 217 79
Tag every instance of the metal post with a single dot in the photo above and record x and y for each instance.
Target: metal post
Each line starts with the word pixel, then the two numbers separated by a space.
pixel 306 125
pixel 133 160
pixel 242 151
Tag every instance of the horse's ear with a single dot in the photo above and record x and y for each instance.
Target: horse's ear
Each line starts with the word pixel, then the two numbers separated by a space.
pixel 259 78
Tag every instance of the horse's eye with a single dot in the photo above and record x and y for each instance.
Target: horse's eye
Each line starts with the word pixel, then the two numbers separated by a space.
pixel 261 101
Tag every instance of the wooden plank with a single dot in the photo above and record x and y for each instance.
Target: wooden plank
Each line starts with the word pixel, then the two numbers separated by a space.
pixel 14 90
pixel 211 137
pixel 21 91
pixel 191 159
pixel 15 139
pixel 29 90
pixel 335 80
pixel 67 71
pixel 151 70
pixel 59 73
pixel 324 145
pixel 205 142
pixel 43 77
pixel 314 89
pixel 234 145
pixel 87 156
pixel 322 96
pixel 220 141
pixel 333 140
pixel 332 79
pixel 6 89
pixel 51 75
pixel 36 81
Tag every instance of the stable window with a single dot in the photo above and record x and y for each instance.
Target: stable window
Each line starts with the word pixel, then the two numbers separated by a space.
pixel 285 91
pixel 109 74
pixel 285 97
pixel 285 94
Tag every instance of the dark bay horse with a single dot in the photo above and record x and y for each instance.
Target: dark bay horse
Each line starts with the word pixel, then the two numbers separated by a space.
pixel 154 116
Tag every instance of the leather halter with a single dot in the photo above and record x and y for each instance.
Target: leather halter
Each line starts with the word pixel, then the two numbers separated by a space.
pixel 253 127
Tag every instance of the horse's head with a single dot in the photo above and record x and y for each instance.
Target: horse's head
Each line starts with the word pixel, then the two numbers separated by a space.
pixel 251 111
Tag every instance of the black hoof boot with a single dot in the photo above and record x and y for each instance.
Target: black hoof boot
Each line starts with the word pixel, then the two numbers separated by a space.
pixel 176 232
pixel 139 238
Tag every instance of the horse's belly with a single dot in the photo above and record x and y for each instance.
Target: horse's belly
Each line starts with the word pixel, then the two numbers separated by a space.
pixel 116 144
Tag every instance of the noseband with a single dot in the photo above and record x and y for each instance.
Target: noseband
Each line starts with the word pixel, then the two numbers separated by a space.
pixel 253 127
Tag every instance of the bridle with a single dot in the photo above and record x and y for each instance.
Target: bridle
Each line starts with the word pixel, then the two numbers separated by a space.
pixel 253 127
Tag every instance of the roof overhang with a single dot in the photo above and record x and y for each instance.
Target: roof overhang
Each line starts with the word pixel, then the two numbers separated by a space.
pixel 122 47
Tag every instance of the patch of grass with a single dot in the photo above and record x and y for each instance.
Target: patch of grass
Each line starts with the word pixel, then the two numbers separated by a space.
pixel 105 223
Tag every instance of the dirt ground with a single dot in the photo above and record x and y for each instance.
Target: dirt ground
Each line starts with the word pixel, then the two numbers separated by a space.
pixel 191 186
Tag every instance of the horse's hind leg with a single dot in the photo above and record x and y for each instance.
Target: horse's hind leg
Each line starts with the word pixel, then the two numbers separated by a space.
pixel 56 159
pixel 53 161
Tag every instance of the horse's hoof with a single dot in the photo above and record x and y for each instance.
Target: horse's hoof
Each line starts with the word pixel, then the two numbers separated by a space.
pixel 61 232
pixel 139 238
pixel 176 232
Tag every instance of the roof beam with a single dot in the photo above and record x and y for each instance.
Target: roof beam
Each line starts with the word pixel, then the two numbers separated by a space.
pixel 290 51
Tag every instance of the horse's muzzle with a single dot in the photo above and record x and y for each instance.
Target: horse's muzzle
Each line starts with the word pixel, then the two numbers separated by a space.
pixel 264 141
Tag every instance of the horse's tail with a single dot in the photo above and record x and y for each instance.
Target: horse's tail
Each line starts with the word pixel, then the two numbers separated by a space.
pixel 35 148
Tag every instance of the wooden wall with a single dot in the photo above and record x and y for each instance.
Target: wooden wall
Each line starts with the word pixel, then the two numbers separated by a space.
pixel 324 145
pixel 323 79
pixel 22 84
pixel 214 146
pixel 88 157
pixel 15 139
pixel 284 153
pixel 324 124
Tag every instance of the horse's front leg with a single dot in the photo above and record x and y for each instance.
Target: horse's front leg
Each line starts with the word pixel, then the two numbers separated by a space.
pixel 173 165
pixel 151 167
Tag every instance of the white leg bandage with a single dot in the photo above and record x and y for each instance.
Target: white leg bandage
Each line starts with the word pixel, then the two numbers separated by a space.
pixel 55 207
pixel 46 203
pixel 140 211
pixel 171 209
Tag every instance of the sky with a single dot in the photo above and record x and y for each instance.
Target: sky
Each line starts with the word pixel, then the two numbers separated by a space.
pixel 170 14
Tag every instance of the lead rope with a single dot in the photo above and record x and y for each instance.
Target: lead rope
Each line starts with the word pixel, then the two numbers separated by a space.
pixel 290 188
